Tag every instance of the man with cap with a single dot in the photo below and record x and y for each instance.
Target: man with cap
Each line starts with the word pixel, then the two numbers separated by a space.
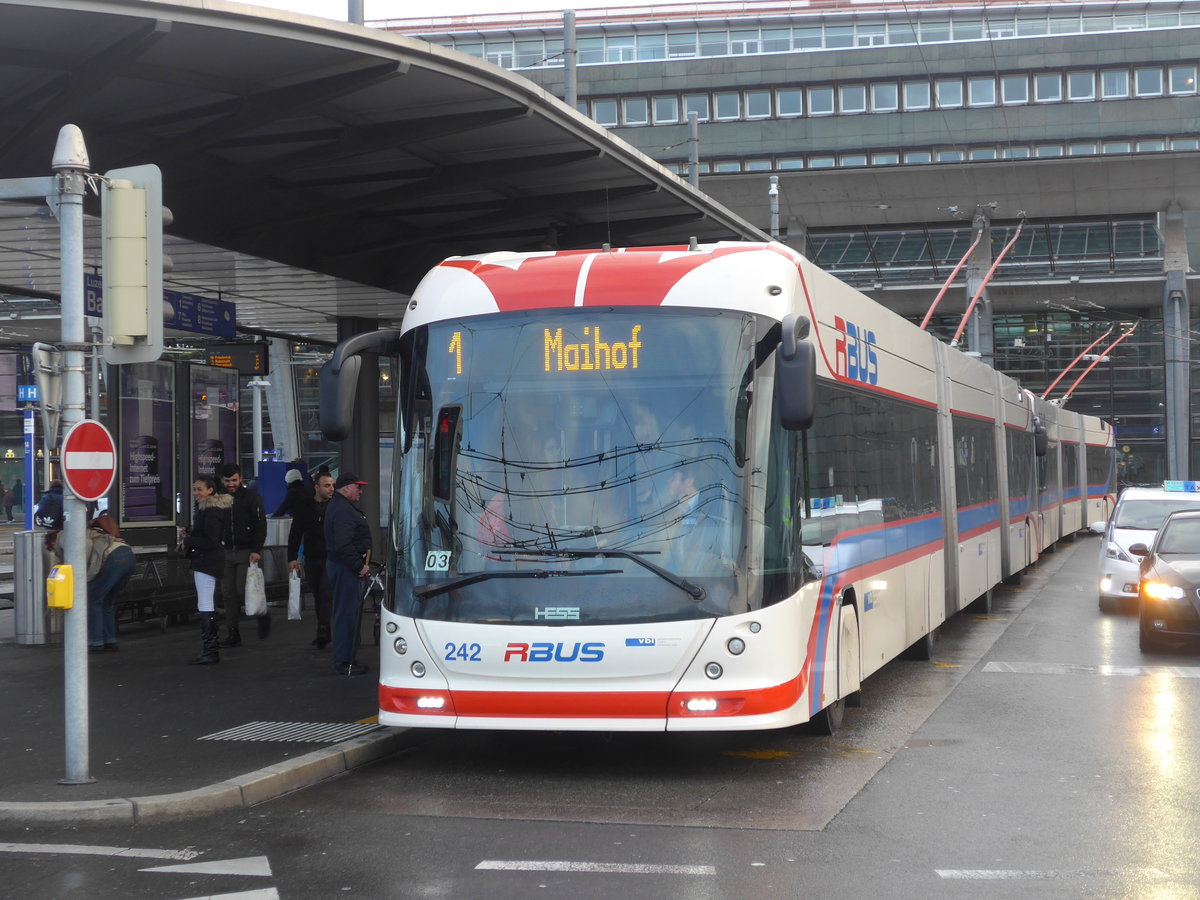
pixel 348 549
pixel 295 493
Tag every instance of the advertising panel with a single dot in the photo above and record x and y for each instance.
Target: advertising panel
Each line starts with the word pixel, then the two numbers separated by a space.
pixel 147 442
pixel 214 412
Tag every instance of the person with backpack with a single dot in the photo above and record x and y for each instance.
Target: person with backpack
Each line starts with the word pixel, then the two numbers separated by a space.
pixel 110 563
pixel 244 544
pixel 49 513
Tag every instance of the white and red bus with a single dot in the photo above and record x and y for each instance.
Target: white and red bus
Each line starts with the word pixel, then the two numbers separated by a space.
pixel 679 489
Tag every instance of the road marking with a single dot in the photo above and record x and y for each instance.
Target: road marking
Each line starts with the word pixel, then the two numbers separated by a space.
pixel 1043 874
pixel 560 865
pixel 247 865
pixel 88 850
pixel 759 754
pixel 260 894
pixel 311 732
pixel 1031 668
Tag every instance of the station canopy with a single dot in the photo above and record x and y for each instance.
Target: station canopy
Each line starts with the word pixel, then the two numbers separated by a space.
pixel 314 169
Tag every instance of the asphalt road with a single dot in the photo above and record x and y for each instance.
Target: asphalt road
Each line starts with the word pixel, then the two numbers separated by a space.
pixel 1040 754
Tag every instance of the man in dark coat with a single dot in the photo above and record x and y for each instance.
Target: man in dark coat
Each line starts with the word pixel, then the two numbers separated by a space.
pixel 348 548
pixel 247 534
pixel 308 531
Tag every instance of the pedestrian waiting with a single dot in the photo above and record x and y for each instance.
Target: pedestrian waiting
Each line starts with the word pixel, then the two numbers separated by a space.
pixel 204 547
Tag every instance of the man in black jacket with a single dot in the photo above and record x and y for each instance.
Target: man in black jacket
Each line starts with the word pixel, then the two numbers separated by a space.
pixel 348 548
pixel 308 530
pixel 247 535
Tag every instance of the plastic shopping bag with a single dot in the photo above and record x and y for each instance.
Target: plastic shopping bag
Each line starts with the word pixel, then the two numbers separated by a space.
pixel 294 595
pixel 256 592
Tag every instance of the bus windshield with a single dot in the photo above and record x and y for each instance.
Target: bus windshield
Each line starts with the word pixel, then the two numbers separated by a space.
pixel 575 466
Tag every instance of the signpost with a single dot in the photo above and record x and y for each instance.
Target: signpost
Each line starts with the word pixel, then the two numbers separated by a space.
pixel 89 460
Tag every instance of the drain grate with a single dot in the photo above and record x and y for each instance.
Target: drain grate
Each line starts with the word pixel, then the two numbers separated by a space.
pixel 307 732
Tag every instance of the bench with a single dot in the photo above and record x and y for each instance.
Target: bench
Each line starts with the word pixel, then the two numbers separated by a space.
pixel 161 587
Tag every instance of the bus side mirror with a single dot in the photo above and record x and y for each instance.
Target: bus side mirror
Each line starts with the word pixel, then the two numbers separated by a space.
pixel 339 379
pixel 796 375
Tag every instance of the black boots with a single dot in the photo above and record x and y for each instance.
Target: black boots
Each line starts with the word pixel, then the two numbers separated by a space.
pixel 232 638
pixel 209 654
pixel 322 637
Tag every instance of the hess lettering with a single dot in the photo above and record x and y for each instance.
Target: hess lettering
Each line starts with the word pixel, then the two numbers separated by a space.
pixel 560 652
pixel 594 355
pixel 854 352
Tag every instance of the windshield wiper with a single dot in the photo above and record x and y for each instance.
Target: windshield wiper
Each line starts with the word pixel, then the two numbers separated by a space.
pixel 442 587
pixel 696 592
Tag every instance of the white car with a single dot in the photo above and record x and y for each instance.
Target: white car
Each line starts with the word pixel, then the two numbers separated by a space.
pixel 1139 513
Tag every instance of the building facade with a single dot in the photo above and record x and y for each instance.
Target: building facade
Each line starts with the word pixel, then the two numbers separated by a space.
pixel 897 133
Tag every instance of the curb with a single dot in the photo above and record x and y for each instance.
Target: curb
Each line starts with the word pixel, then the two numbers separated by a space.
pixel 233 793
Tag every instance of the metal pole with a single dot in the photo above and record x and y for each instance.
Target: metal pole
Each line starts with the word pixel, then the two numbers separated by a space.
pixel 570 57
pixel 30 488
pixel 773 195
pixel 71 164
pixel 257 385
pixel 354 12
pixel 693 170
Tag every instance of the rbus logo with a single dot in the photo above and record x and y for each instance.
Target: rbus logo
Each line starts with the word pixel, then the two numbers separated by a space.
pixel 547 652
pixel 854 352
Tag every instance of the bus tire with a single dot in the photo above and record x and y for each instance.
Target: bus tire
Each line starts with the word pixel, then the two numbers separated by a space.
pixel 922 648
pixel 829 720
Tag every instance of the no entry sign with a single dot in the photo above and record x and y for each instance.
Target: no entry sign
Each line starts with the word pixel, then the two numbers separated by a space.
pixel 89 460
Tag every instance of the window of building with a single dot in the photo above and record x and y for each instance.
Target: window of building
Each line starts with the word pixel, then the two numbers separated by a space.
pixel 902 33
pixel 471 48
pixel 651 46
pixel 499 53
pixel 757 165
pixel 949 156
pixel 839 36
pixel 949 92
pixel 820 101
pixel 822 162
pixel 1185 144
pixel 1082 148
pixel 1015 153
pixel 728 105
pixel 1049 150
pixel 714 43
pixel 758 104
pixel 727 165
pixel 1096 24
pixel 807 37
pixel 915 157
pixel 681 45
pixel 696 103
pixel 789 102
pixel 885 97
pixel 916 95
pixel 873 35
pixel 968 29
pixel 605 112
pixel 666 110
pixel 529 53
pixel 1081 86
pixel 620 49
pixel 981 91
pixel 1030 27
pixel 1151 146
pixel 1147 82
pixel 852 159
pixel 776 40
pixel 1183 79
pixel 982 153
pixel 852 98
pixel 635 110
pixel 791 162
pixel 1014 89
pixel 590 51
pixel 1117 147
pixel 742 43
pixel 1047 88
pixel 935 32
pixel 886 158
pixel 1114 84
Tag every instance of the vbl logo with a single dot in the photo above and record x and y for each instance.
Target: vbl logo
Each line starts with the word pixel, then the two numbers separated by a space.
pixel 854 352
pixel 547 652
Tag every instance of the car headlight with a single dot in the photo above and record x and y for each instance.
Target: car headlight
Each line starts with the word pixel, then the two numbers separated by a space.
pixel 1157 590
pixel 1113 551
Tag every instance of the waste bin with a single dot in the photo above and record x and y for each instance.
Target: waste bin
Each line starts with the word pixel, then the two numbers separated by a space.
pixel 35 623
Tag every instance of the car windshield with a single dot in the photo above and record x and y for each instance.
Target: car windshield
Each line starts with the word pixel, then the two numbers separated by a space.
pixel 1181 536
pixel 1149 514
pixel 573 466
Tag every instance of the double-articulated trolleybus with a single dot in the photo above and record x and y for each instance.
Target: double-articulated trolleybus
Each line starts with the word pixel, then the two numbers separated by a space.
pixel 690 489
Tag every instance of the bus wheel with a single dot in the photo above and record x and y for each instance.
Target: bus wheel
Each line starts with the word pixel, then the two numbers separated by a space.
pixel 981 605
pixel 829 720
pixel 922 649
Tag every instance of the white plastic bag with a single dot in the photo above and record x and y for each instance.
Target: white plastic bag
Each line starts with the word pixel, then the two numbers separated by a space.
pixel 256 592
pixel 294 595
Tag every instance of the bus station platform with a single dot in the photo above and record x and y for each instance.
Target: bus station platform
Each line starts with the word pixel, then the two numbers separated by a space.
pixel 168 740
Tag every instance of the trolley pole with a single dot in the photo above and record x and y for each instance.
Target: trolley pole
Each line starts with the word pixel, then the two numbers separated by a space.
pixel 70 165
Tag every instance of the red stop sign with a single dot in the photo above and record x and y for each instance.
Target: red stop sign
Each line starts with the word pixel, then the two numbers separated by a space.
pixel 89 460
